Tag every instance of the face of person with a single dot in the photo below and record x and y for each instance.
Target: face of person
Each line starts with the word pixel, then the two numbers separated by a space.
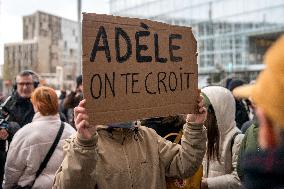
pixel 25 86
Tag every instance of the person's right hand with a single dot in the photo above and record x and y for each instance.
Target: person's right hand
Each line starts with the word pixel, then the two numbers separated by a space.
pixel 85 130
pixel 3 134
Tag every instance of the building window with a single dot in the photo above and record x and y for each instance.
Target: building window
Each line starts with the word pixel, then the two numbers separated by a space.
pixel 71 51
pixel 238 59
pixel 202 61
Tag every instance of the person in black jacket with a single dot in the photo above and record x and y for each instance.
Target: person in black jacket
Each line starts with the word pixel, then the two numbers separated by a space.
pixel 241 115
pixel 19 111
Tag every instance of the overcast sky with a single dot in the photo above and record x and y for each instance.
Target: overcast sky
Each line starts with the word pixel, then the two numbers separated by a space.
pixel 11 12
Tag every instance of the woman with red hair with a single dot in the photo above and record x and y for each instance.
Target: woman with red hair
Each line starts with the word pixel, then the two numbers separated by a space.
pixel 32 143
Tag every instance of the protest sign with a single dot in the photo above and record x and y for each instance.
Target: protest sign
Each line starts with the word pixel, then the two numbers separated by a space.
pixel 136 68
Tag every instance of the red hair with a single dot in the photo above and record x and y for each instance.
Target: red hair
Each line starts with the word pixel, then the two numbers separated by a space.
pixel 46 101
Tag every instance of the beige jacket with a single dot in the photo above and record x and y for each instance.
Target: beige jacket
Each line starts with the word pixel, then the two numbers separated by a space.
pixel 127 158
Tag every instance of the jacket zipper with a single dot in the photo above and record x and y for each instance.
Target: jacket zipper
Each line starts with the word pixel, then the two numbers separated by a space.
pixel 127 160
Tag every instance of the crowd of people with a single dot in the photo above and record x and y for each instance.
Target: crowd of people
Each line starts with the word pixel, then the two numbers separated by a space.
pixel 236 140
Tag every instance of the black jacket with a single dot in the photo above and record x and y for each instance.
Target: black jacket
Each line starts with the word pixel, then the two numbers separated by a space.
pixel 21 112
pixel 241 114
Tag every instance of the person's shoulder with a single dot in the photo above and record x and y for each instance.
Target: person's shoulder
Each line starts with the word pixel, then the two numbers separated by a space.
pixel 246 125
pixel 23 135
pixel 239 138
pixel 69 128
pixel 235 136
pixel 25 129
pixel 146 131
pixel 251 129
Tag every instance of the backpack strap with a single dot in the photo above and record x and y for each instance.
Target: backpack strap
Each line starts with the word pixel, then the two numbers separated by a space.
pixel 178 136
pixel 233 141
pixel 228 163
pixel 49 153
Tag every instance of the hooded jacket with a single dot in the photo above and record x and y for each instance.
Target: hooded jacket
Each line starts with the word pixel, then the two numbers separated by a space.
pixel 129 158
pixel 28 149
pixel 223 174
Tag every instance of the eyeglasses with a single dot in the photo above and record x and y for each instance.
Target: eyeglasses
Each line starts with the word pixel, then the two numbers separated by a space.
pixel 23 83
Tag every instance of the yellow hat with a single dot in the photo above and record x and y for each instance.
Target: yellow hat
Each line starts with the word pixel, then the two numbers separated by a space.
pixel 268 90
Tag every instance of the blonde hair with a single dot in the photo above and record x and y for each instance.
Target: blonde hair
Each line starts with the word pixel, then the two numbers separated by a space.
pixel 46 101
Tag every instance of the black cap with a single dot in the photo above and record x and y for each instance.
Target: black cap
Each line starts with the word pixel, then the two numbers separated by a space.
pixel 235 83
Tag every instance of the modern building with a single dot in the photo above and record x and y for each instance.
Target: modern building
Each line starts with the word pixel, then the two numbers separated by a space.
pixel 232 35
pixel 49 47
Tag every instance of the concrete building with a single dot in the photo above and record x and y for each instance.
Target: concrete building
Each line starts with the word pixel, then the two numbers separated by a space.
pixel 232 35
pixel 50 44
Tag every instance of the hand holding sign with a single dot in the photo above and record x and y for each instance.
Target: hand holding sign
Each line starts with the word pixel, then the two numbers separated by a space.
pixel 198 118
pixel 85 130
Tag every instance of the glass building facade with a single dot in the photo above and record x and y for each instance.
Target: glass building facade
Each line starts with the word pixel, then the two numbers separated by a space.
pixel 232 35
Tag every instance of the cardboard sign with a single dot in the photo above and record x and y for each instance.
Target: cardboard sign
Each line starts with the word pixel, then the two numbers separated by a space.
pixel 134 68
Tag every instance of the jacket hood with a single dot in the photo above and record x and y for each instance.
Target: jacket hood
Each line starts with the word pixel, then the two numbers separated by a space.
pixel 223 104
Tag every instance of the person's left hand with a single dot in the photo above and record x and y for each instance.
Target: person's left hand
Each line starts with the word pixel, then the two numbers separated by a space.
pixel 198 118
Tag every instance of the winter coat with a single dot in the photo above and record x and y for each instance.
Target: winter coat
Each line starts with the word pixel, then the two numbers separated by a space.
pixel 21 110
pixel 249 144
pixel 129 158
pixel 28 149
pixel 223 174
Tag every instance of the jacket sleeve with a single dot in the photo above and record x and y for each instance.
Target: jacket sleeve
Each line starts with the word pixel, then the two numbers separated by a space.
pixel 78 167
pixel 16 162
pixel 229 180
pixel 182 161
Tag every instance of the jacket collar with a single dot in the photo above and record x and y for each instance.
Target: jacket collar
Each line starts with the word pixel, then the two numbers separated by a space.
pixel 20 99
pixel 39 117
